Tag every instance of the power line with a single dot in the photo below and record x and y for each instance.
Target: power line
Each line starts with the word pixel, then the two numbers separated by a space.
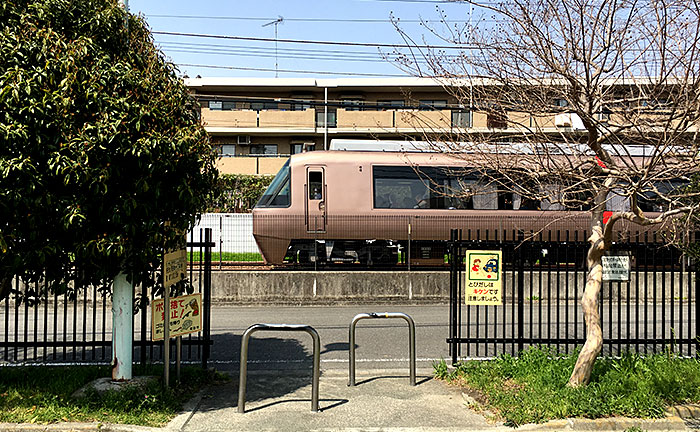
pixel 299 41
pixel 292 71
pixel 328 20
pixel 262 48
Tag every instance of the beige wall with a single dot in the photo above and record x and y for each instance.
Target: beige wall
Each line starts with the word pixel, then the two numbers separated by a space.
pixel 250 165
pixel 518 119
pixel 359 120
pixel 242 119
pixel 430 120
pixel 288 119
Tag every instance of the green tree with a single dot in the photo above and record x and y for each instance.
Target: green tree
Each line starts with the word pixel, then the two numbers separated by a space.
pixel 237 193
pixel 100 144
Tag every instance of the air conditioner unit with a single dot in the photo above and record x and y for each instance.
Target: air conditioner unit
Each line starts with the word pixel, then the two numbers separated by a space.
pixel 243 139
pixel 570 120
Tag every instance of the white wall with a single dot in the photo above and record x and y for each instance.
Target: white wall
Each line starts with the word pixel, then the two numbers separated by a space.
pixel 232 232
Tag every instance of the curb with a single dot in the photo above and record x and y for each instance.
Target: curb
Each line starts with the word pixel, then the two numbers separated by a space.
pixel 686 411
pixel 74 427
pixel 674 420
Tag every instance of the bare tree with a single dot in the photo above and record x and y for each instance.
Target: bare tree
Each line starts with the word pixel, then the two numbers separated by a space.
pixel 585 101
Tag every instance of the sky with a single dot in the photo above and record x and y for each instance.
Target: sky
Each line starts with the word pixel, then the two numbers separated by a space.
pixel 344 21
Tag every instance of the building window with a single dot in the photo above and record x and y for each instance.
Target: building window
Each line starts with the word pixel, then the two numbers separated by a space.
pixel 561 103
pixel 257 106
pixel 228 150
pixel 263 149
pixel 432 104
pixel 461 118
pixel 215 105
pixel 497 120
pixel 301 105
pixel 383 105
pixel 353 104
pixel 229 105
pixel 332 119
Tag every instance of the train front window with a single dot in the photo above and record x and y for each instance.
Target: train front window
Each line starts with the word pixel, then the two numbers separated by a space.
pixel 278 193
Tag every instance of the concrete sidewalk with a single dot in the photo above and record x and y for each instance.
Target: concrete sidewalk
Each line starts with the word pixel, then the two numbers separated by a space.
pixel 382 400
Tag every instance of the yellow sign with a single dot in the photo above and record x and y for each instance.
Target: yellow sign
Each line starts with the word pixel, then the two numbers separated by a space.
pixel 185 316
pixel 484 278
pixel 175 267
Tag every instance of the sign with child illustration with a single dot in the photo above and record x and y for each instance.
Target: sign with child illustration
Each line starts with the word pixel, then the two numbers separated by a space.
pixel 484 278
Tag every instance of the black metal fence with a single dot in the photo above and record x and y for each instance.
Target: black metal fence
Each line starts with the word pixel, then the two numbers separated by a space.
pixel 543 280
pixel 78 328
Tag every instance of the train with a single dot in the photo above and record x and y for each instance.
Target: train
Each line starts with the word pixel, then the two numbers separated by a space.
pixel 383 203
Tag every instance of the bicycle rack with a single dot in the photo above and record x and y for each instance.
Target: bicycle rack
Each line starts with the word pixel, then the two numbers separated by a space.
pixel 279 327
pixel 411 340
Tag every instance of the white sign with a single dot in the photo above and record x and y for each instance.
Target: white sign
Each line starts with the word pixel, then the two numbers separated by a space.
pixel 175 267
pixel 616 268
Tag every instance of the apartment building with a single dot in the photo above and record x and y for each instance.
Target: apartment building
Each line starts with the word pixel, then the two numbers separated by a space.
pixel 256 123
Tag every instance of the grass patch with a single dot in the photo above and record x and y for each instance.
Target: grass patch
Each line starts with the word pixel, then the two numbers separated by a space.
pixel 532 387
pixel 42 394
pixel 229 256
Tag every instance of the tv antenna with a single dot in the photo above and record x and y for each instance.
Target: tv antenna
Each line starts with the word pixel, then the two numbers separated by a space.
pixel 279 20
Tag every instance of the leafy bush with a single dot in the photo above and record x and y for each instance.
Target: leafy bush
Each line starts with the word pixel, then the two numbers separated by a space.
pixel 100 145
pixel 238 193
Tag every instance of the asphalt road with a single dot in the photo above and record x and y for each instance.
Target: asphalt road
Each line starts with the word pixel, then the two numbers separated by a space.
pixel 380 343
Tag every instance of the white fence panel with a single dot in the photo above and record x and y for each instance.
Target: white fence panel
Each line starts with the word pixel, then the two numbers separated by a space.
pixel 232 232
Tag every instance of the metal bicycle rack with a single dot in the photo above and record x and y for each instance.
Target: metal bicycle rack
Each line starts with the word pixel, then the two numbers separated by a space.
pixel 411 340
pixel 279 327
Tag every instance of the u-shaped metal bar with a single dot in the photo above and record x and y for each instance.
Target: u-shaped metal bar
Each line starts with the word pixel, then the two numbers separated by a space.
pixel 411 341
pixel 279 327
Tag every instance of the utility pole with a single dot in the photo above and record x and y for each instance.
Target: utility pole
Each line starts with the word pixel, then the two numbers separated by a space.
pixel 122 309
pixel 279 20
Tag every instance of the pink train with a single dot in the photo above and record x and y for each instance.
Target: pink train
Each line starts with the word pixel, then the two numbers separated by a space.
pixel 371 206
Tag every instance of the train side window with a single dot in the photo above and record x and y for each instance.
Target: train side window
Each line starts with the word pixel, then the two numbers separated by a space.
pixel 616 201
pixel 315 185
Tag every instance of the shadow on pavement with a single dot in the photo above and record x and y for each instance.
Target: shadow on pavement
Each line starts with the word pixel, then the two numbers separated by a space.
pixel 276 367
pixel 321 403
pixel 419 380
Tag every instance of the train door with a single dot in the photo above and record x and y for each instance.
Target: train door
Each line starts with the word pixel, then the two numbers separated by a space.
pixel 315 191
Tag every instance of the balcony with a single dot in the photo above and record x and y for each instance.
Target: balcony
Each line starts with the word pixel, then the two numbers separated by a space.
pixel 229 119
pixel 251 165
pixel 219 120
pixel 365 120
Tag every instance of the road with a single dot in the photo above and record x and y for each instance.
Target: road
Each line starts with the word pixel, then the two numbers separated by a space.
pixel 380 343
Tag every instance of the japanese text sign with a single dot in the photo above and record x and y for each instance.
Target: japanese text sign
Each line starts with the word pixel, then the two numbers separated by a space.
pixel 185 316
pixel 484 278
pixel 175 267
pixel 616 268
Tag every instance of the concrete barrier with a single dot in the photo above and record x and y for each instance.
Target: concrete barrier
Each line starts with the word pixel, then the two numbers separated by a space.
pixel 362 287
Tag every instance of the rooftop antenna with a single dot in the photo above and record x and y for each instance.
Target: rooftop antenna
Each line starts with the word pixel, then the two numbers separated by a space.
pixel 279 20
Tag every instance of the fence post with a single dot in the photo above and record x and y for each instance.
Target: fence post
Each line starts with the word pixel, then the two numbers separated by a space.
pixel 521 290
pixel 207 296
pixel 454 301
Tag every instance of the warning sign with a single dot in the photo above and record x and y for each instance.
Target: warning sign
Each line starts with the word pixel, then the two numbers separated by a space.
pixel 616 268
pixel 185 316
pixel 175 264
pixel 484 278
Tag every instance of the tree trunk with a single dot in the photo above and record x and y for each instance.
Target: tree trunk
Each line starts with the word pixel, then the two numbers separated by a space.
pixel 589 303
pixel 5 286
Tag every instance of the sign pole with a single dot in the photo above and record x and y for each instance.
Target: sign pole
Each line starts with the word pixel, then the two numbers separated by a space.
pixel 178 356
pixel 166 331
